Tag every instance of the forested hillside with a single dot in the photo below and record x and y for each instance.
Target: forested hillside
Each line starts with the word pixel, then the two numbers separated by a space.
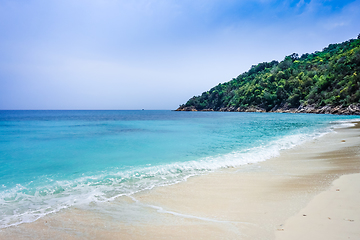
pixel 322 79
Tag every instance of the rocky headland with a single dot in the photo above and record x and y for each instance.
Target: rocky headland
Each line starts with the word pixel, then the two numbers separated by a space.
pixel 352 109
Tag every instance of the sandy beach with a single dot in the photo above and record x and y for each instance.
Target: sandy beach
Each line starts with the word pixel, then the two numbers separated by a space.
pixel 309 192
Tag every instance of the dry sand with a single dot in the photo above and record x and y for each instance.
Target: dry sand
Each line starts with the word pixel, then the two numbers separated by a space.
pixel 258 201
pixel 333 214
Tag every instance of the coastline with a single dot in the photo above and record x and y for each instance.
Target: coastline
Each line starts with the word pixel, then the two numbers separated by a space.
pixel 352 109
pixel 254 201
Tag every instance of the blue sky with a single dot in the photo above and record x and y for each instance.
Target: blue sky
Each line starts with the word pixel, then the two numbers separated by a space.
pixel 109 54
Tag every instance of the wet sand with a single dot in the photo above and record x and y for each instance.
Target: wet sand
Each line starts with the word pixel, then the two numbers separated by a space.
pixel 258 201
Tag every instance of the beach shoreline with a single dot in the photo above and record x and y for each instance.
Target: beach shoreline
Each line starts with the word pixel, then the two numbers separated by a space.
pixel 255 201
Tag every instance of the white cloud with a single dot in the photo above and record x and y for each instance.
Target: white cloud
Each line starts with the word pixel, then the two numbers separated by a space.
pixel 146 54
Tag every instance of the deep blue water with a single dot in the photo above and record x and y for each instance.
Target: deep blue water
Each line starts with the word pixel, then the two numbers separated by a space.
pixel 51 160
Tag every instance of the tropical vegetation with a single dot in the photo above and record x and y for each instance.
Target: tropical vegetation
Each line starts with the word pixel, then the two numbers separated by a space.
pixel 328 77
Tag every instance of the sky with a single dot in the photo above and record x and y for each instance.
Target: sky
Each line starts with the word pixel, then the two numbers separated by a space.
pixel 147 54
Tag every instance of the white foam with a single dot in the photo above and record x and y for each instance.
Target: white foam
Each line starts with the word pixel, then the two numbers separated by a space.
pixel 345 123
pixel 20 205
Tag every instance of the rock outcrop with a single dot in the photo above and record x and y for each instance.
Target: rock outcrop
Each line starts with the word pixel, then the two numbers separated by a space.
pixel 353 109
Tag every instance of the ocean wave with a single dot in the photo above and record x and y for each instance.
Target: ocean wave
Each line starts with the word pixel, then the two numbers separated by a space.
pixel 23 204
pixel 344 123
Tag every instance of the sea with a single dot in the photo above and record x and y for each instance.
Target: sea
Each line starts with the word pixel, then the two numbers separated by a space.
pixel 53 160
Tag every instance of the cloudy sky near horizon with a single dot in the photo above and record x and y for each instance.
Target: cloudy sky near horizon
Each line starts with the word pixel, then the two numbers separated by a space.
pixel 117 54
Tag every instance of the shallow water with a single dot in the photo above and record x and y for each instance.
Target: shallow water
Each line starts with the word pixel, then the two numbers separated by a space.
pixel 51 160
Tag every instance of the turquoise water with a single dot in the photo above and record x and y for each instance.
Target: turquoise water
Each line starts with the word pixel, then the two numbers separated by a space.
pixel 52 160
